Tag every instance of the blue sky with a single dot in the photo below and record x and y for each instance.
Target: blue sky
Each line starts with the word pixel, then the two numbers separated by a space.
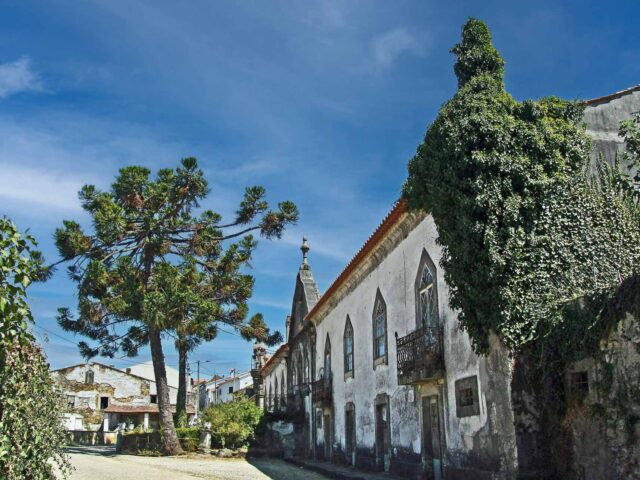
pixel 321 102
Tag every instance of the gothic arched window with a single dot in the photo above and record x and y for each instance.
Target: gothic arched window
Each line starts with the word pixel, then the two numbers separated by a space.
pixel 379 330
pixel 282 393
pixel 348 348
pixel 327 357
pixel 426 294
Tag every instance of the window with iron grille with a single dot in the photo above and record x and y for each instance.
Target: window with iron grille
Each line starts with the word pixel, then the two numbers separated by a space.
pixel 579 385
pixel 467 401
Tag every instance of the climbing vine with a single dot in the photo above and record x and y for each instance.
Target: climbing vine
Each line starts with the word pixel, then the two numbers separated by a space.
pixel 524 229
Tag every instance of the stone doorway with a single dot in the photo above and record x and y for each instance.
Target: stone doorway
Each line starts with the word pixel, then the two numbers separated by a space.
pixel 328 440
pixel 350 434
pixel 383 434
pixel 432 435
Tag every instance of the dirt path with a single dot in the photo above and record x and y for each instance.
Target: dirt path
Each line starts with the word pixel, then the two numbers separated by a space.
pixel 103 464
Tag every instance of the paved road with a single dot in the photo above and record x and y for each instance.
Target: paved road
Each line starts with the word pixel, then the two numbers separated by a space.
pixel 100 463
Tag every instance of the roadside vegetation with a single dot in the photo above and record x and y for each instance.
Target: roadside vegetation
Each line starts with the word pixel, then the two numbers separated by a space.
pixel 31 434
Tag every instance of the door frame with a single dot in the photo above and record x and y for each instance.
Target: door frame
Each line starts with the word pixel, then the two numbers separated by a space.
pixel 431 462
pixel 383 458
pixel 350 411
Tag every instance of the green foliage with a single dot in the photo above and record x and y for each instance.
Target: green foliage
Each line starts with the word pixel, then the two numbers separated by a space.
pixel 524 229
pixel 233 424
pixel 31 433
pixel 189 438
pixel 152 266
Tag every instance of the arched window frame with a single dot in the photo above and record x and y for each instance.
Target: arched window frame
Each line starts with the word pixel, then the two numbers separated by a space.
pixel 89 377
pixel 282 390
pixel 349 365
pixel 380 333
pixel 327 357
pixel 427 315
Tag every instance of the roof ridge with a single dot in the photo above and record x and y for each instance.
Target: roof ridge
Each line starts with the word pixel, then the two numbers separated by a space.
pixel 399 207
pixel 611 96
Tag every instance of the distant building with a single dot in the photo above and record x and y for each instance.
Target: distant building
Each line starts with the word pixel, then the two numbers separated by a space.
pixel 225 389
pixel 102 397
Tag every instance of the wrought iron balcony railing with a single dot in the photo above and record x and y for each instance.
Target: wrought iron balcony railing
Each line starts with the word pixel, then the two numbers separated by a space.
pixel 275 403
pixel 322 389
pixel 420 356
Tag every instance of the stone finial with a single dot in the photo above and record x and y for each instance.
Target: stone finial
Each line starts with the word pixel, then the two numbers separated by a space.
pixel 305 251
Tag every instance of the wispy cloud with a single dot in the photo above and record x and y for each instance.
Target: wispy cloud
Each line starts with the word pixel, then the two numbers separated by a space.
pixel 38 187
pixel 18 76
pixel 389 46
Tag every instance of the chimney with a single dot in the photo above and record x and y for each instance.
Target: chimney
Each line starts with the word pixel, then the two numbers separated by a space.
pixel 128 370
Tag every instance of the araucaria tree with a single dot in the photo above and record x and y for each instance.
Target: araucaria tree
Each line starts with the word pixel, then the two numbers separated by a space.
pixel 32 438
pixel 525 230
pixel 146 237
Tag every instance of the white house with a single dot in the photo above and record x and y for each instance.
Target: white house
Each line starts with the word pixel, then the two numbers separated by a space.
pixel 225 389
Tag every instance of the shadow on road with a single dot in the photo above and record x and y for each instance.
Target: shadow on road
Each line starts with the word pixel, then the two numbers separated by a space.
pixel 99 450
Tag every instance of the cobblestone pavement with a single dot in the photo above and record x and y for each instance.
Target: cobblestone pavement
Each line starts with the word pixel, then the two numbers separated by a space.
pixel 96 463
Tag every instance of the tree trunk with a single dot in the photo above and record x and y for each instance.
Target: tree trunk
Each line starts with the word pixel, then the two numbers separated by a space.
pixel 171 444
pixel 181 404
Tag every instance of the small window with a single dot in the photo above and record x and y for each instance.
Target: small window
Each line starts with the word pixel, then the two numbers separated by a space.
pixel 88 377
pixel 579 385
pixel 230 389
pixel 467 403
pixel 71 401
pixel 319 418
pixel 104 402
pixel 153 398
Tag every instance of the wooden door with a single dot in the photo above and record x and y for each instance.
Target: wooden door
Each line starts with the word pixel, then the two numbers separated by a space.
pixel 350 436
pixel 383 453
pixel 327 437
pixel 432 435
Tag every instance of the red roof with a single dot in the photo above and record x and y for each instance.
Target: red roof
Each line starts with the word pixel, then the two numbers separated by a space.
pixel 274 356
pixel 391 219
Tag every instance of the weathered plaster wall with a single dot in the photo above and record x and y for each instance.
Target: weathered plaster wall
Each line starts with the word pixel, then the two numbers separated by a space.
pixel 277 371
pixel 393 270
pixel 603 122
pixel 120 387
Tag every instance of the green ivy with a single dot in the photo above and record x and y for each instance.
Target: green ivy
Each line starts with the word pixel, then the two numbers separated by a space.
pixel 525 230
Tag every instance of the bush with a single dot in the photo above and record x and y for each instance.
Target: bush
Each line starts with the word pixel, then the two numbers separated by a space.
pixel 189 438
pixel 233 424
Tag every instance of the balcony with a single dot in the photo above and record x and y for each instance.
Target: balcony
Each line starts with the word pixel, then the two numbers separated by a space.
pixel 420 356
pixel 321 390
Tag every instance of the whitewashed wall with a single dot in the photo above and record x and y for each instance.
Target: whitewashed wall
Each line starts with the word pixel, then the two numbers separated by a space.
pixel 395 276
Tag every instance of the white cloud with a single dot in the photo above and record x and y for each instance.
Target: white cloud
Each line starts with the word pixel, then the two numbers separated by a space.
pixel 18 76
pixel 387 47
pixel 28 187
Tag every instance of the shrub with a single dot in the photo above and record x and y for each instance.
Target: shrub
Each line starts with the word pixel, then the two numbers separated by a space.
pixel 189 438
pixel 233 424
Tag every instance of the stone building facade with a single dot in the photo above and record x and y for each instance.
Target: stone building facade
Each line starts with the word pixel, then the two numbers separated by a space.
pixel 376 373
pixel 102 397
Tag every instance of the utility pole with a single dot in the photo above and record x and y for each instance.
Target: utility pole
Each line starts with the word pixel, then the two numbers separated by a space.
pixel 197 405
